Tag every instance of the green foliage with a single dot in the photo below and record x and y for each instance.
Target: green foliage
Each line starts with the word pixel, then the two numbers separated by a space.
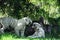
pixel 31 8
pixel 19 8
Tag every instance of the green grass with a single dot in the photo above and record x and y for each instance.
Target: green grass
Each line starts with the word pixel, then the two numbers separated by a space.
pixel 10 36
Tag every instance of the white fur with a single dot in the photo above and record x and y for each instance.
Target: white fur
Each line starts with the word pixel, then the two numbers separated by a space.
pixel 18 25
pixel 6 21
pixel 39 32
pixel 21 25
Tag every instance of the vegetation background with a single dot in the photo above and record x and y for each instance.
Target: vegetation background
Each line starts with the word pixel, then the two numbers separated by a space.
pixel 48 9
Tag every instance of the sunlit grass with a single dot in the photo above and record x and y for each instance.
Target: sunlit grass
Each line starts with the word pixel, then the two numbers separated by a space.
pixel 6 37
pixel 10 36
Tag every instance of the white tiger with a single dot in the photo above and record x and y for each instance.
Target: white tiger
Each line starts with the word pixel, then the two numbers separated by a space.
pixel 18 25
pixel 39 32
pixel 22 24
